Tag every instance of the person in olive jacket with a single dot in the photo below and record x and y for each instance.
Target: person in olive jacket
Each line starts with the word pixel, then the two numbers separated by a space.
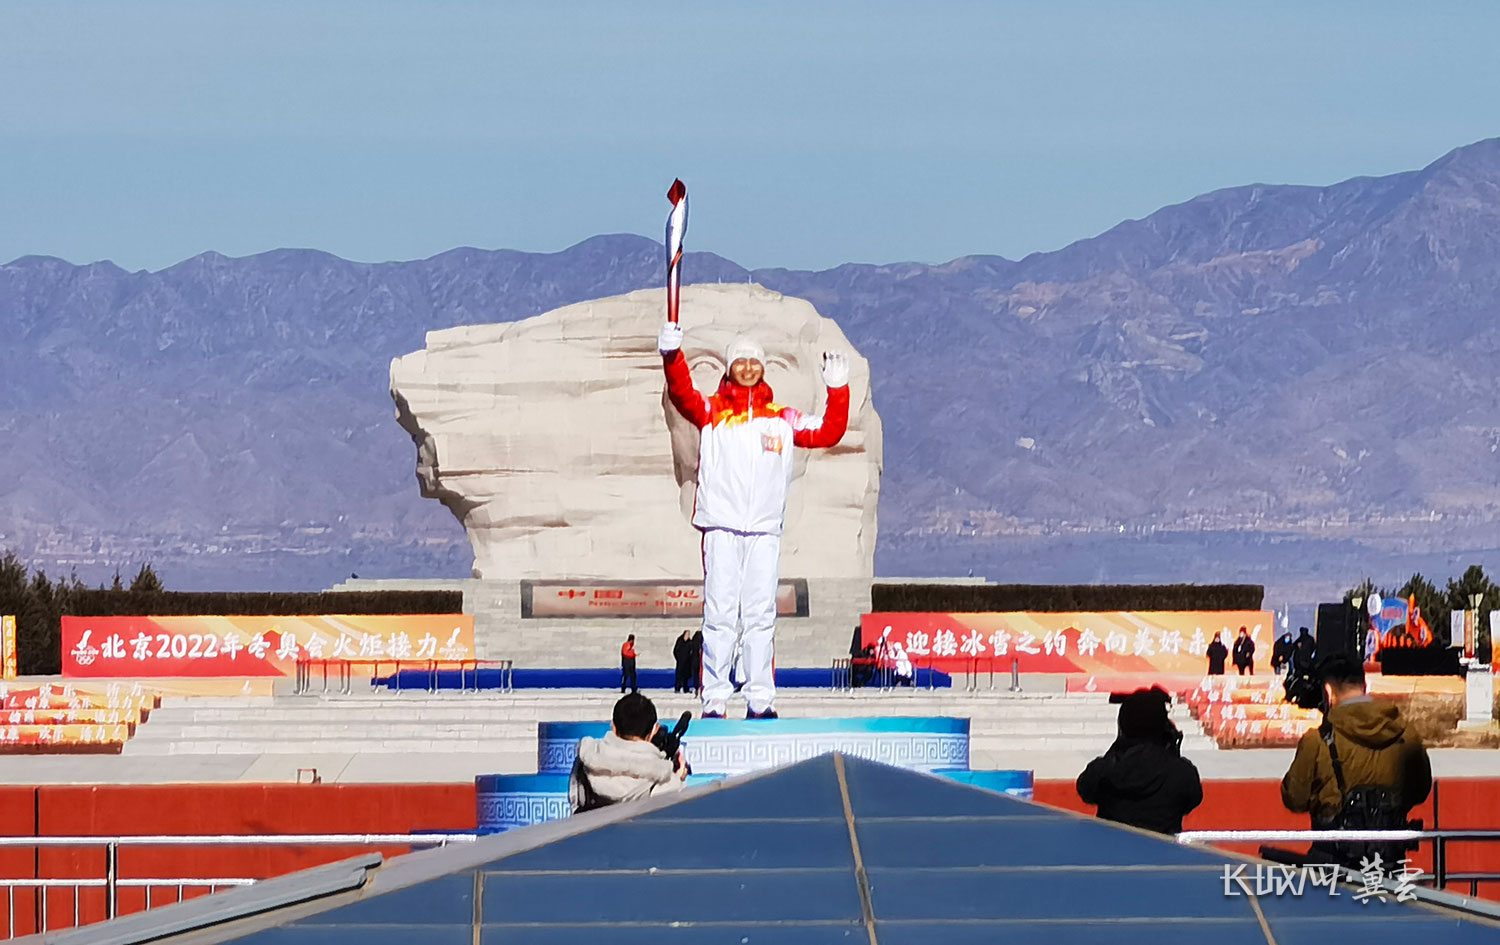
pixel 1374 744
pixel 1143 780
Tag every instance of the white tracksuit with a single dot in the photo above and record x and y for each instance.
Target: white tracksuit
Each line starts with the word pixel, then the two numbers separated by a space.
pixel 744 469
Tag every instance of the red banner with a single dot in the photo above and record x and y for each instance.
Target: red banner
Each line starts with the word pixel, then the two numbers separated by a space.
pixel 1115 642
pixel 147 647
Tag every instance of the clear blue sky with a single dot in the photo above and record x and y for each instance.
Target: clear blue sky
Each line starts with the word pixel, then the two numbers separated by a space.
pixel 810 133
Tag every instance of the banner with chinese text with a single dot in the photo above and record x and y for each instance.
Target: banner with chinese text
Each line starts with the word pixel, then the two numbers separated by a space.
pixel 145 647
pixel 1116 642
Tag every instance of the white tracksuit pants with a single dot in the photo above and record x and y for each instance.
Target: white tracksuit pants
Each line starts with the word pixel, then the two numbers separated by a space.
pixel 739 604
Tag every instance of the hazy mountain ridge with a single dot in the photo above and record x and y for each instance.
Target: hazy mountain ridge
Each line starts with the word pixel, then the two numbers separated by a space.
pixel 1262 362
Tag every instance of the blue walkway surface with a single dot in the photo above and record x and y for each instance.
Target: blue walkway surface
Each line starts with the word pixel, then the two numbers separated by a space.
pixel 831 850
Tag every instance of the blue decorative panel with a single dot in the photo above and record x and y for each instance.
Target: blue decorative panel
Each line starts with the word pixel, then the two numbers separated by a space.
pixel 507 801
pixel 722 746
pixel 1014 783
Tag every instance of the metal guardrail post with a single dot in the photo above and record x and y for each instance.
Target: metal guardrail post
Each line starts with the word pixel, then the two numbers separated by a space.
pixel 1440 864
pixel 1015 675
pixel 111 877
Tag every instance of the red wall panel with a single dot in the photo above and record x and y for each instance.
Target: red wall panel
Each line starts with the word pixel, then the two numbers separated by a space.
pixel 257 809
pixel 104 810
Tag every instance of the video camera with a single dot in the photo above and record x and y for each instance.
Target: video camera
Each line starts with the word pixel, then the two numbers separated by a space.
pixel 1304 684
pixel 670 742
pixel 1170 735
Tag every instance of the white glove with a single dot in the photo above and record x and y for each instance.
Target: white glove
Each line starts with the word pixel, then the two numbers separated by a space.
pixel 670 338
pixel 835 368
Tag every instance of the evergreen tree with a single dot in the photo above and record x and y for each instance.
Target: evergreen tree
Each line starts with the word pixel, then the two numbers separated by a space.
pixel 37 644
pixel 1433 604
pixel 1474 581
pixel 146 581
pixel 12 584
pixel 1362 590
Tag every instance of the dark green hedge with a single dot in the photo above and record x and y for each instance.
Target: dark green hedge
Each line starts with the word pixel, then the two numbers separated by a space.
pixel 1061 598
pixel 107 603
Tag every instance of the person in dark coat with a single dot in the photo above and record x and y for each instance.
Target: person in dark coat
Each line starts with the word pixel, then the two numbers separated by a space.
pixel 698 662
pixel 682 655
pixel 1143 780
pixel 1281 653
pixel 1304 647
pixel 1244 653
pixel 1217 653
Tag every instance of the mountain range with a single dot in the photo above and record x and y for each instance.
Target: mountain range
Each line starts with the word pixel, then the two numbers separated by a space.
pixel 1288 385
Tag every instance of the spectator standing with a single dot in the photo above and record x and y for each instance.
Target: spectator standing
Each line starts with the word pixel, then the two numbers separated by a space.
pixel 682 655
pixel 627 665
pixel 1281 653
pixel 698 662
pixel 1304 647
pixel 1143 780
pixel 1244 653
pixel 1217 653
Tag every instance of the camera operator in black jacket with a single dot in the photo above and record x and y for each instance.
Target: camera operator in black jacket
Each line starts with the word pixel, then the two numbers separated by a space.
pixel 1143 780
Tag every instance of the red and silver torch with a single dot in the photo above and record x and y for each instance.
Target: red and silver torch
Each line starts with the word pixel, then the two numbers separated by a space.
pixel 676 230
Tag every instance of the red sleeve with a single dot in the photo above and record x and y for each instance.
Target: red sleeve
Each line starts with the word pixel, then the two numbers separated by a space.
pixel 835 422
pixel 680 389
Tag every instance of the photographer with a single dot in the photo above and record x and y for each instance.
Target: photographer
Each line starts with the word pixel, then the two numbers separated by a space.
pixel 1143 780
pixel 1361 769
pixel 627 763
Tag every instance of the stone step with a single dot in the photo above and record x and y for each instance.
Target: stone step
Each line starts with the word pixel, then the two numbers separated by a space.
pixel 504 714
pixel 521 731
pixel 514 758
pixel 522 759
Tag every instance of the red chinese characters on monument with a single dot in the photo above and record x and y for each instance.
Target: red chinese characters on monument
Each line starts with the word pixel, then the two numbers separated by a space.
pixel 630 599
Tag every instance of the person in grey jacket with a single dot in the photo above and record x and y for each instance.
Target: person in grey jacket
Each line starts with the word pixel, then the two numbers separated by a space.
pixel 624 765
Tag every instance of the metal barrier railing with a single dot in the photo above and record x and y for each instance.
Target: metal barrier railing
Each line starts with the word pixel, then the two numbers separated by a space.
pixel 846 674
pixel 344 671
pixel 111 882
pixel 1440 839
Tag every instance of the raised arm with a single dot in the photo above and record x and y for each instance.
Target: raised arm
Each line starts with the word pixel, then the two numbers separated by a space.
pixel 680 390
pixel 827 430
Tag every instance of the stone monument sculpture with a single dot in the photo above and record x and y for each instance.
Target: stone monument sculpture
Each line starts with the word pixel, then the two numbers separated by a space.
pixel 552 441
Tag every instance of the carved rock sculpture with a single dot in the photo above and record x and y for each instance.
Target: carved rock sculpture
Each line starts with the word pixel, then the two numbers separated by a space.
pixel 552 441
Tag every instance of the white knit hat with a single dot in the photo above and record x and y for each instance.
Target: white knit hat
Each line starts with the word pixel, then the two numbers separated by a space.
pixel 744 347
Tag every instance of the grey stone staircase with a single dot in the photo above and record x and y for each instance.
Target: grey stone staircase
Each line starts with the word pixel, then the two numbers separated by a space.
pixel 506 724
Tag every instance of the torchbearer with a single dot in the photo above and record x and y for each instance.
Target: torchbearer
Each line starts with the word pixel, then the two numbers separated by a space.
pixel 744 469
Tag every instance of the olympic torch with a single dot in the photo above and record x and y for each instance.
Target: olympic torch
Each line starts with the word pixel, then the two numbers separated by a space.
pixel 676 230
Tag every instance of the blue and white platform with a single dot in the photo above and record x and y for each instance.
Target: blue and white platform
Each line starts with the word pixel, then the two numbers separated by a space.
pixel 727 746
pixel 719 748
